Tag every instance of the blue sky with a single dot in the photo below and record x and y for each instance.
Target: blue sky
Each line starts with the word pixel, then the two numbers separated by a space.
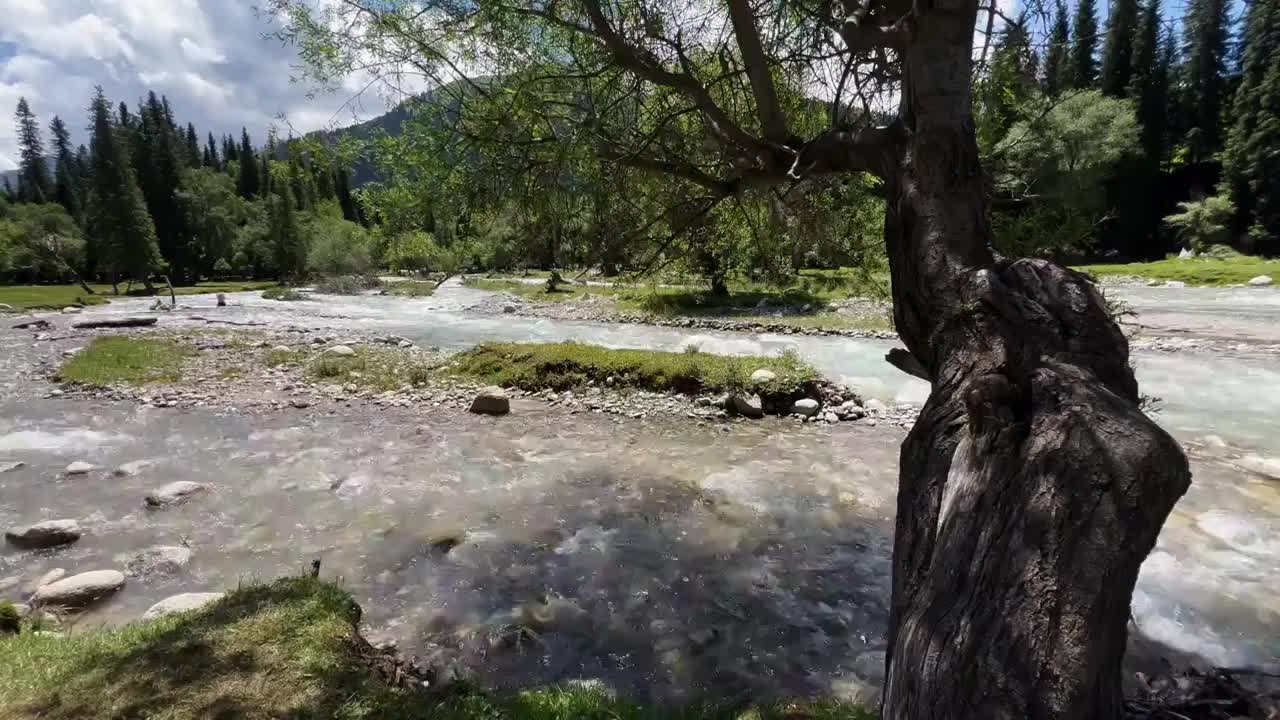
pixel 208 56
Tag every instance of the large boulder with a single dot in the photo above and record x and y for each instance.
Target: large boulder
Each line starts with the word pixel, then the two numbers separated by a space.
pixel 763 375
pixel 80 590
pixel 49 533
pixel 174 492
pixel 185 602
pixel 807 407
pixel 1261 281
pixel 747 406
pixel 159 560
pixel 492 400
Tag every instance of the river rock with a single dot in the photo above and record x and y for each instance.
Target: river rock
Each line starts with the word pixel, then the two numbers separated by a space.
pixel 70 310
pixel 340 351
pixel 763 375
pixel 805 406
pixel 6 307
pixel 875 406
pixel 185 602
pixel 79 590
pixel 132 468
pixel 159 560
pixel 747 406
pixel 508 309
pixel 492 400
pixel 48 578
pixel 1265 466
pixel 1261 281
pixel 870 666
pixel 281 349
pixel 49 533
pixel 831 417
pixel 7 466
pixel 1175 284
pixel 404 344
pixel 174 492
pixel 850 410
pixel 80 467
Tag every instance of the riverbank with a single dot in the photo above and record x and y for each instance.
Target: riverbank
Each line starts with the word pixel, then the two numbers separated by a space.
pixel 290 648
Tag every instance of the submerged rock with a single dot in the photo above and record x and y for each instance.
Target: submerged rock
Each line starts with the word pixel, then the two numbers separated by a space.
pixel 50 577
pixel 80 467
pixel 491 400
pixel 1265 466
pixel 7 466
pixel 185 602
pixel 162 560
pixel 174 492
pixel 49 533
pixel 130 469
pixel 80 590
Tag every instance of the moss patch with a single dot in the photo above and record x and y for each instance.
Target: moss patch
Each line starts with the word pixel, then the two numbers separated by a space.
pixel 285 650
pixel 1206 271
pixel 561 366
pixel 132 360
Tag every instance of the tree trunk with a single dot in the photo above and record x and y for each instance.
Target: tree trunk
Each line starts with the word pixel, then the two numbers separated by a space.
pixel 1032 486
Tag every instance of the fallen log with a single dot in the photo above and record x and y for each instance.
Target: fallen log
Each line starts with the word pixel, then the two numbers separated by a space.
pixel 33 325
pixel 117 323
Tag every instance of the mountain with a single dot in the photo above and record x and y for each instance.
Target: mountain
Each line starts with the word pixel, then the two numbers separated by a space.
pixel 12 175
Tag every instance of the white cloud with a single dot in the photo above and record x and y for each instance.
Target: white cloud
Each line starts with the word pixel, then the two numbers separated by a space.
pixel 206 56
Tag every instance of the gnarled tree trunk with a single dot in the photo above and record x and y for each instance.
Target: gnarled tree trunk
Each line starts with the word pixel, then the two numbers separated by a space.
pixel 1032 486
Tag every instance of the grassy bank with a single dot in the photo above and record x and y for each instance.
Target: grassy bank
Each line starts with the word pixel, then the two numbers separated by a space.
pixel 561 366
pixel 285 650
pixel 377 368
pixel 56 297
pixel 1205 271
pixel 131 360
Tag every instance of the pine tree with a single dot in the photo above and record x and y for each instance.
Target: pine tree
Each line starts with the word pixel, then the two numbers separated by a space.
pixel 124 229
pixel 159 179
pixel 1009 84
pixel 1251 158
pixel 342 188
pixel 1084 46
pixel 288 245
pixel 1117 51
pixel 1150 84
pixel 126 118
pixel 34 183
pixel 1204 76
pixel 250 182
pixel 229 152
pixel 66 175
pixel 1056 75
pixel 211 154
pixel 193 147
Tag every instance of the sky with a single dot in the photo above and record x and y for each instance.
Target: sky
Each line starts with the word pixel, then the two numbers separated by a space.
pixel 208 56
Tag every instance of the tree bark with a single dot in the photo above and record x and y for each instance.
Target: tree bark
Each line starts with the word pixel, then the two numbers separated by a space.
pixel 1032 487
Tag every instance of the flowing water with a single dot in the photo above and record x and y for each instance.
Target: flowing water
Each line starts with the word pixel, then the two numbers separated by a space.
pixel 674 561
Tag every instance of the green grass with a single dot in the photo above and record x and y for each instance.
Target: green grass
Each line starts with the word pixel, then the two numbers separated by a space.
pixel 132 360
pixel 283 293
pixel 561 366
pixel 410 288
pixel 374 368
pixel 1207 271
pixel 288 649
pixel 56 297
pixel 346 284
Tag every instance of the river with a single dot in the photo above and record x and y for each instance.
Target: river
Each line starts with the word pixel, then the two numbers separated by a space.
pixel 674 561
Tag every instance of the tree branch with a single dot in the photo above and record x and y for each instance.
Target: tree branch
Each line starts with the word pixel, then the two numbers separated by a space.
pixel 772 121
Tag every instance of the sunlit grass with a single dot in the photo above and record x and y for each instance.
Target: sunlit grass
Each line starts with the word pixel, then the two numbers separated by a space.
pixel 1207 271
pixel 131 360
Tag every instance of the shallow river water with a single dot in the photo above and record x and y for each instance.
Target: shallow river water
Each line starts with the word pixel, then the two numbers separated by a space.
pixel 674 561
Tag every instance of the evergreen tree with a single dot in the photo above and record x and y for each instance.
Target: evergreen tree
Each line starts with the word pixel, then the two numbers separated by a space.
pixel 287 243
pixel 1204 76
pixel 34 183
pixel 193 147
pixel 1084 46
pixel 165 155
pixel 1117 51
pixel 211 154
pixel 9 194
pixel 1150 84
pixel 229 152
pixel 124 229
pixel 1056 71
pixel 66 173
pixel 1009 84
pixel 1251 158
pixel 342 188
pixel 250 180
pixel 126 117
